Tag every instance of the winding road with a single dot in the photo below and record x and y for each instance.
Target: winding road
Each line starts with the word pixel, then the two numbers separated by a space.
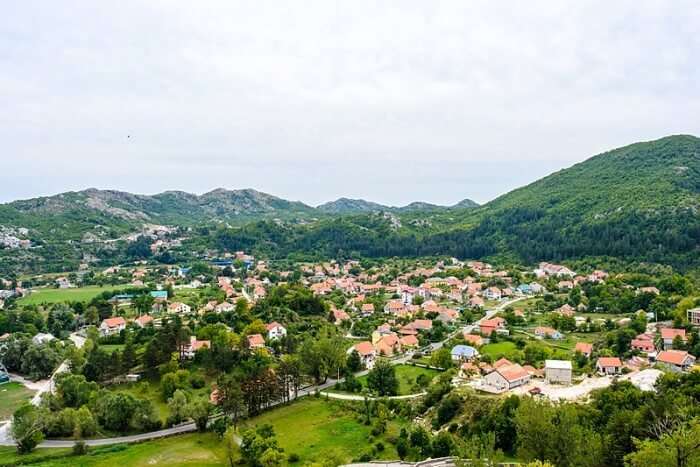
pixel 6 439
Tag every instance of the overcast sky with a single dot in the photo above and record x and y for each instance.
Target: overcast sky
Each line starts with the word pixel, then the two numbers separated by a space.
pixel 388 101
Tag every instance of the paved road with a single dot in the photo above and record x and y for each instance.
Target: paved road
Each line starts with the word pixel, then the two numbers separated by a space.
pixel 358 397
pixel 6 440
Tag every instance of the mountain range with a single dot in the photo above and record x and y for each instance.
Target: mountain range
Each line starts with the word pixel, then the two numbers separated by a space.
pixel 639 202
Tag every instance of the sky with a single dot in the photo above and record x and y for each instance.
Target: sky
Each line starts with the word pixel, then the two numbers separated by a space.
pixel 387 101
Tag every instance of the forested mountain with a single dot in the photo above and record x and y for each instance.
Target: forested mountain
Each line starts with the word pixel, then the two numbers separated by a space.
pixel 639 203
pixel 356 206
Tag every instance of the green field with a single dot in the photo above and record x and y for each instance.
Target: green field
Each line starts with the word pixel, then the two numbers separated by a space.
pixel 406 374
pixel 498 349
pixel 12 395
pixel 185 450
pixel 316 429
pixel 78 294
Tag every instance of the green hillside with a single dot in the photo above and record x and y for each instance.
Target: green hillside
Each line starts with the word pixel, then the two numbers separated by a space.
pixel 638 203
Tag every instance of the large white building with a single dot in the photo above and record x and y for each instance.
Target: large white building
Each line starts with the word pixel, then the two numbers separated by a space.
pixel 557 371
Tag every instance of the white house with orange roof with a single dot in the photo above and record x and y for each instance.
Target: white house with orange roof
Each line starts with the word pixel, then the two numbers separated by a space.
pixel 111 326
pixel 676 360
pixel 275 330
pixel 367 353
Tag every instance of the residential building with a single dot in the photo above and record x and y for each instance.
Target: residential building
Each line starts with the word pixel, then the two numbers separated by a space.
pixel 557 371
pixel 275 330
pixel 677 360
pixel 609 366
pixel 143 320
pixel 694 316
pixel 507 377
pixel 367 353
pixel 256 341
pixel 179 307
pixel 189 350
pixel 112 326
pixel 461 353
pixel 669 334
pixel 585 348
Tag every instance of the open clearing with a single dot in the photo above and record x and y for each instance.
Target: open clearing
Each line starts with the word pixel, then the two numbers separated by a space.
pixel 316 429
pixel 12 395
pixel 78 294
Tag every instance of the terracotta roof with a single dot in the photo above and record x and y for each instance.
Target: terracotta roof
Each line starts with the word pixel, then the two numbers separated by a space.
pixel 273 325
pixel 255 340
pixel 502 362
pixel 364 348
pixel 674 357
pixel 409 341
pixel 114 322
pixel 512 372
pixel 583 347
pixel 609 361
pixel 671 333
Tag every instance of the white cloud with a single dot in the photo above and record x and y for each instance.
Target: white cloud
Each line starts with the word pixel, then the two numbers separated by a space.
pixel 393 101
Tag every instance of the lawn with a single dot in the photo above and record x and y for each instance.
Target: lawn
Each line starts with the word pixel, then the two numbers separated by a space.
pixel 12 395
pixel 9 456
pixel 78 294
pixel 498 349
pixel 184 450
pixel 406 374
pixel 316 429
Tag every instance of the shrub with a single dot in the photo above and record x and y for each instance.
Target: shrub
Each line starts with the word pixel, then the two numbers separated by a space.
pixel 80 448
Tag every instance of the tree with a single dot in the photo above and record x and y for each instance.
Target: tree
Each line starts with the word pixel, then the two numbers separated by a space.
pixel 678 446
pixel 382 379
pixel 27 425
pixel 177 405
pixel 354 362
pixel 441 358
pixel 260 445
pixel 230 397
pixel 129 353
pixel 231 445
pixel 448 408
pixel 533 422
pixel 421 440
pixel 199 411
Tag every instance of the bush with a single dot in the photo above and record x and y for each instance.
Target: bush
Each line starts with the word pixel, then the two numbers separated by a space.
pixel 379 447
pixel 293 457
pixel 197 381
pixel 80 448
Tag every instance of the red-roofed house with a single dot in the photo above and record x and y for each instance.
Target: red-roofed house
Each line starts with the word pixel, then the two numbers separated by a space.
pixel 275 330
pixel 190 349
pixel 409 341
pixel 585 348
pixel 507 377
pixel 112 326
pixel 643 343
pixel 340 315
pixel 487 326
pixel 473 339
pixel 677 360
pixel 669 334
pixel 367 353
pixel 143 320
pixel 609 365
pixel 256 341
